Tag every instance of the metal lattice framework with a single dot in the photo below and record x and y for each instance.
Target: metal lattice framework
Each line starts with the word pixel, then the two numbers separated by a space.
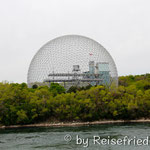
pixel 60 54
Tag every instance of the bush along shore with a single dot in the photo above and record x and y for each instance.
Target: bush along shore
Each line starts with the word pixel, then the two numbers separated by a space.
pixel 20 105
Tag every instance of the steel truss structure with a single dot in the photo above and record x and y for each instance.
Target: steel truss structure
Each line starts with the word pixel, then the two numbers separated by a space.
pixel 61 54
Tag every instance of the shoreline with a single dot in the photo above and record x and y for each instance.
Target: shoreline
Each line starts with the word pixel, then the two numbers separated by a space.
pixel 71 124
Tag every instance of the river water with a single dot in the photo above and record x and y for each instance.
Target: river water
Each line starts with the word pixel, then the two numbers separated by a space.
pixel 91 137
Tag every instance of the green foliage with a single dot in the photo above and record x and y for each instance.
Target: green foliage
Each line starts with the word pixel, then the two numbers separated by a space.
pixel 34 86
pixel 22 116
pixel 22 105
pixel 56 88
pixel 74 89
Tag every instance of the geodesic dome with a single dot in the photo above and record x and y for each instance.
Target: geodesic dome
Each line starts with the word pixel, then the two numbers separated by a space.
pixel 61 54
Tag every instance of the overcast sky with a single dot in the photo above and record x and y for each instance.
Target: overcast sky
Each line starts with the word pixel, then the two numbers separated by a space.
pixel 121 26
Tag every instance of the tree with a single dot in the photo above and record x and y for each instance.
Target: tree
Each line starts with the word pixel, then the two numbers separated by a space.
pixel 56 88
pixel 34 86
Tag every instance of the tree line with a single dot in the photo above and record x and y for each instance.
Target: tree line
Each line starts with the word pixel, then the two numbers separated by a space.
pixel 22 105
